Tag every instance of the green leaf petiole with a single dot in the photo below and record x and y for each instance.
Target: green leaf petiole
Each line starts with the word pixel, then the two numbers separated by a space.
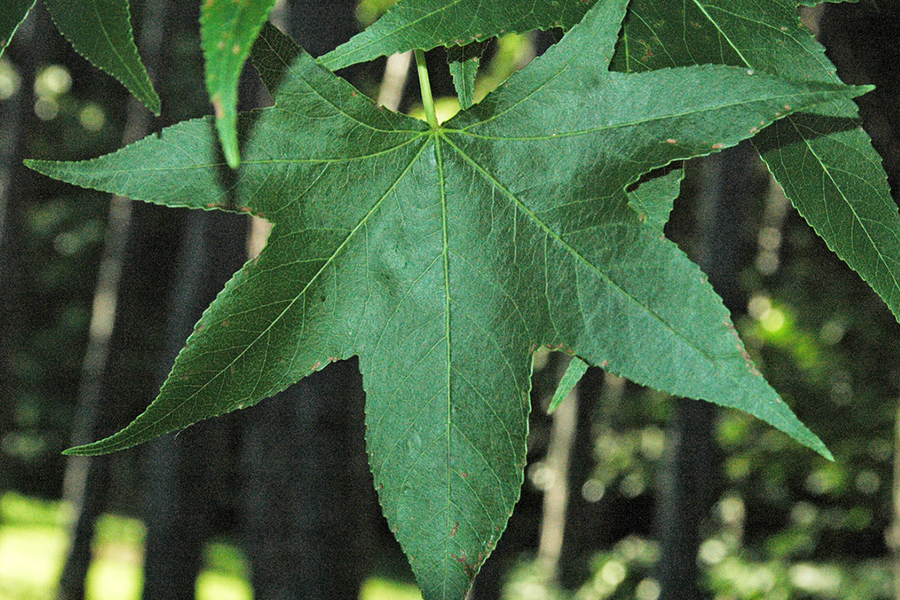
pixel 425 86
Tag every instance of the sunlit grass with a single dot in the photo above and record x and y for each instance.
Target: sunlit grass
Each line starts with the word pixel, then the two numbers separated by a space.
pixel 385 589
pixel 30 560
pixel 34 541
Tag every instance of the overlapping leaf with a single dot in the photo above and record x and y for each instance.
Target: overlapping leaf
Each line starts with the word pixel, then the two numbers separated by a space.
pixel 824 161
pixel 426 24
pixel 10 17
pixel 100 30
pixel 229 28
pixel 444 257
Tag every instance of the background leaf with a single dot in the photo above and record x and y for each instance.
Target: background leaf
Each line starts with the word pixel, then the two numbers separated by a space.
pixel 426 24
pixel 10 17
pixel 464 61
pixel 574 371
pixel 821 157
pixel 654 198
pixel 229 29
pixel 100 30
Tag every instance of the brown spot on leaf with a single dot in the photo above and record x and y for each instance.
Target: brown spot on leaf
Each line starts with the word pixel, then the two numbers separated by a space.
pixel 217 106
pixel 454 529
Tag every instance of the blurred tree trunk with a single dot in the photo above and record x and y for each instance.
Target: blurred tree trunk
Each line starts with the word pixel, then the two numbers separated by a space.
pixel 125 341
pixel 190 478
pixel 17 118
pixel 691 476
pixel 861 40
pixel 558 482
pixel 309 501
pixel 582 515
pixel 187 476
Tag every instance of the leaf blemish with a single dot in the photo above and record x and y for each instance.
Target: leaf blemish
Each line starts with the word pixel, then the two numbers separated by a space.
pixel 217 106
pixel 454 529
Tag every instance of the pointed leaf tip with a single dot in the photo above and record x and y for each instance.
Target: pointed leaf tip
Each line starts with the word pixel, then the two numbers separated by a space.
pixel 229 30
pixel 574 372
pixel 101 32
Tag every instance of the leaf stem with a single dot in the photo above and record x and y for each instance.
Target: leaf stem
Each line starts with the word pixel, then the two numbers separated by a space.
pixel 425 86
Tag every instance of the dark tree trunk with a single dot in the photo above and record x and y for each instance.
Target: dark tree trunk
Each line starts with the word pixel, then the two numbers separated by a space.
pixel 17 114
pixel 118 376
pixel 188 478
pixel 309 501
pixel 861 40
pixel 690 480
pixel 182 472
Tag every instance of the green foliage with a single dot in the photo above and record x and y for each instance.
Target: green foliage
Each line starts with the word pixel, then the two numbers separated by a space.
pixel 574 372
pixel 100 30
pixel 229 29
pixel 824 161
pixel 464 61
pixel 426 24
pixel 443 255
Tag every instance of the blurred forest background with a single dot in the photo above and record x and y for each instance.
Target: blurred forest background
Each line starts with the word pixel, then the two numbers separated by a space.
pixel 629 494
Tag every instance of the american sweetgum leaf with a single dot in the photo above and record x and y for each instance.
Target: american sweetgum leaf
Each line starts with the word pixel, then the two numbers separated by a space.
pixel 100 30
pixel 228 29
pixel 443 258
pixel 11 17
pixel 821 157
pixel 824 161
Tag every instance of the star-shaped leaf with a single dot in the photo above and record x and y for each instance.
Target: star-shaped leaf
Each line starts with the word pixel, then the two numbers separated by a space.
pixel 444 256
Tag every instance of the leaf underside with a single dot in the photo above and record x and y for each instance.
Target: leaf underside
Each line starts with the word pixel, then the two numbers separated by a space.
pixel 426 24
pixel 443 258
pixel 823 160
pixel 100 30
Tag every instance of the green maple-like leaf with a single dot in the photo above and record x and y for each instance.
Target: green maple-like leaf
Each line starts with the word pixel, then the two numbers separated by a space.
pixel 10 17
pixel 825 163
pixel 229 28
pixel 821 157
pixel 443 257
pixel 100 30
